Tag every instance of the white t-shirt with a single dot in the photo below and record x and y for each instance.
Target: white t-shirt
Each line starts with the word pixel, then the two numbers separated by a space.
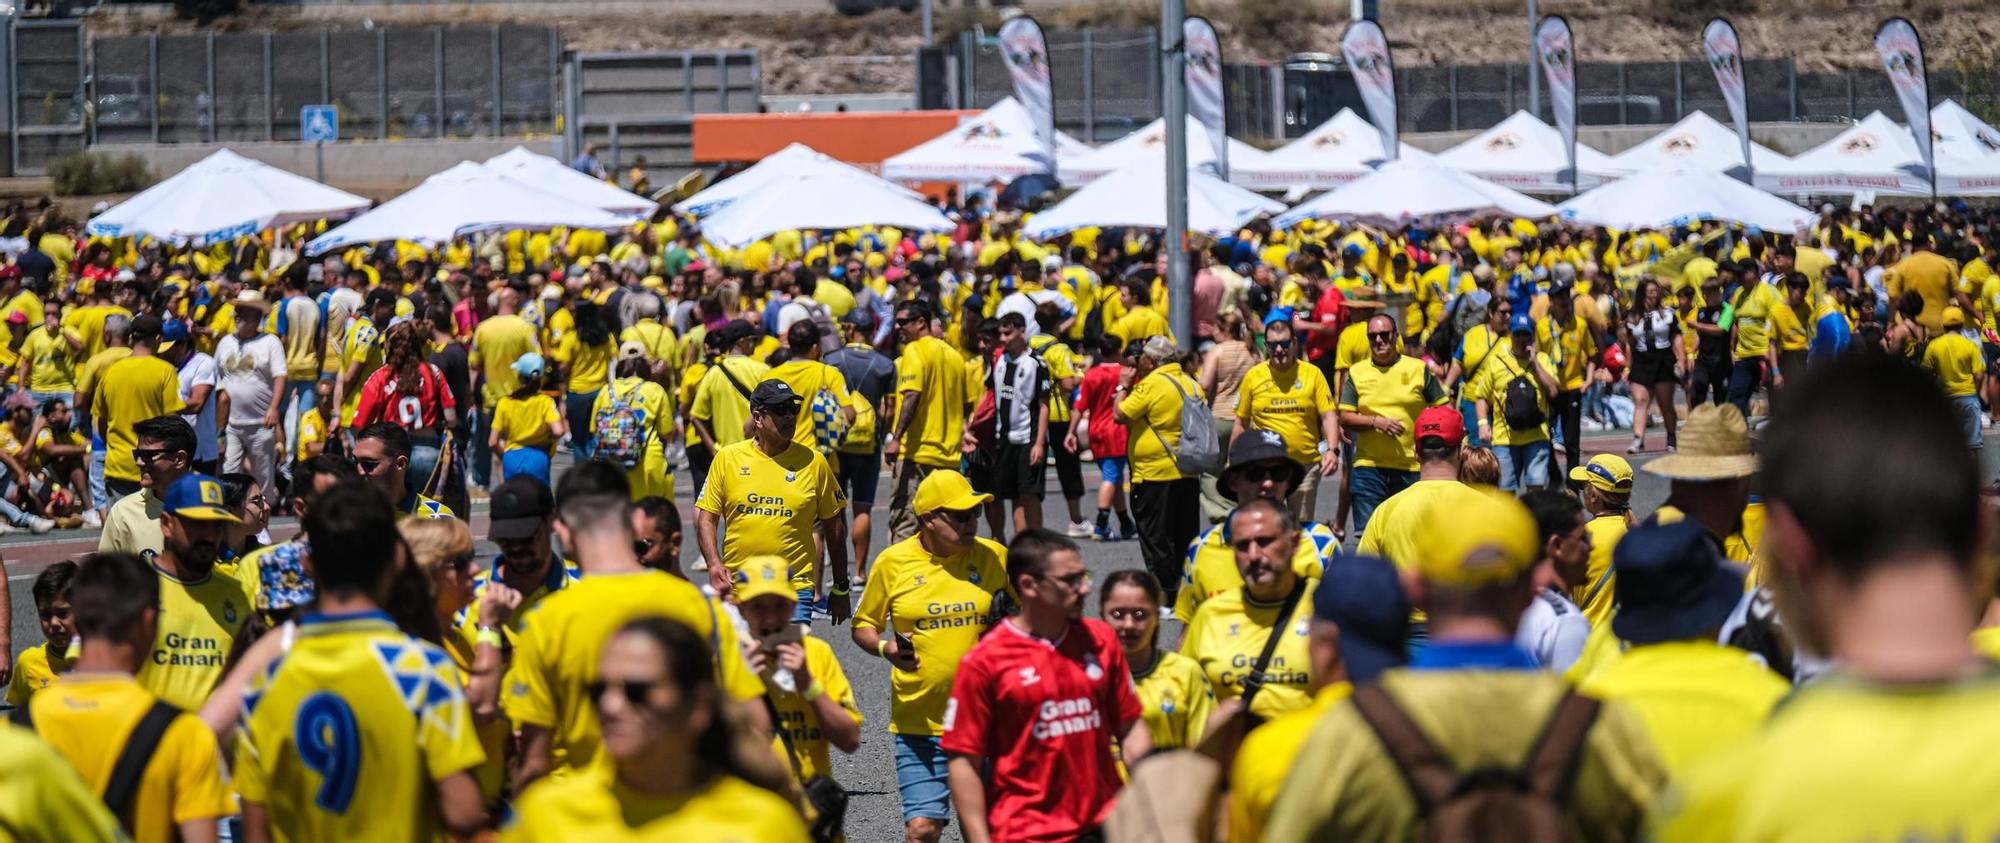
pixel 1553 629
pixel 1025 303
pixel 248 368
pixel 197 370
pixel 792 313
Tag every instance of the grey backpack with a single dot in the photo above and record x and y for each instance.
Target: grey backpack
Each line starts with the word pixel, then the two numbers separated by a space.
pixel 1199 453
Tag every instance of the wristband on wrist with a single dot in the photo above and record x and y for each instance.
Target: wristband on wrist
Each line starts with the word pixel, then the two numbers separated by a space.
pixel 882 648
pixel 814 691
pixel 487 635
pixel 842 591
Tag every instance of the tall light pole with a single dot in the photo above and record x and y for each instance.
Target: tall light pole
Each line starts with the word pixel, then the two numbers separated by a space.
pixel 927 22
pixel 1534 73
pixel 1173 90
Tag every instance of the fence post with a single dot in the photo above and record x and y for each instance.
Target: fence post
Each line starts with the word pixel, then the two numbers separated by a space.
pixel 555 78
pixel 1792 86
pixel 1275 74
pixel 438 122
pixel 1624 93
pixel 497 101
pixel 1680 107
pixel 153 81
pixel 1451 91
pixel 214 131
pixel 1089 88
pixel 1155 77
pixel 1508 72
pixel 270 102
pixel 326 67
pixel 611 139
pixel 1852 105
pixel 382 81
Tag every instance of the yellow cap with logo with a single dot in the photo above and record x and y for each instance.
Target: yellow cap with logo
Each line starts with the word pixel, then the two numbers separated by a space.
pixel 946 489
pixel 1477 536
pixel 764 575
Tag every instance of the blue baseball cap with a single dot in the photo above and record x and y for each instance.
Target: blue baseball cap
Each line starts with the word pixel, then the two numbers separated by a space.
pixel 1521 323
pixel 1278 314
pixel 196 497
pixel 1673 583
pixel 529 365
pixel 172 331
pixel 1364 597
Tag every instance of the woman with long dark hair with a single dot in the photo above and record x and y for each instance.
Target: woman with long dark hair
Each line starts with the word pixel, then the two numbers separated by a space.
pixel 583 364
pixel 1659 357
pixel 410 392
pixel 682 756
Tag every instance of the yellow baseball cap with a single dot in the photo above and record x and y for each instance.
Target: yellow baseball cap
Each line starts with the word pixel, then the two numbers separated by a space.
pixel 1608 472
pixel 1953 317
pixel 1477 536
pixel 764 575
pixel 946 489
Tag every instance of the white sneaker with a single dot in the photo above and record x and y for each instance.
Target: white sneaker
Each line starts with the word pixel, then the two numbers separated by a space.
pixel 7 529
pixel 1080 530
pixel 91 521
pixel 39 525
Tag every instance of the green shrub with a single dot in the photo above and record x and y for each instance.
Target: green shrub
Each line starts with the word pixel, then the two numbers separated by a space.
pixel 90 174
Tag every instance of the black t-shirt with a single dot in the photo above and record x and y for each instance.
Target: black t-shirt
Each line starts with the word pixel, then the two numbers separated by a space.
pixel 1710 349
pixel 1258 298
pixel 451 359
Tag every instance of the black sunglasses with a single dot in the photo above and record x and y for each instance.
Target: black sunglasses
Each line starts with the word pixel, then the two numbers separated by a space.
pixel 635 693
pixel 1261 473
pixel 146 455
pixel 641 547
pixel 1381 335
pixel 962 516
pixel 905 320
pixel 367 465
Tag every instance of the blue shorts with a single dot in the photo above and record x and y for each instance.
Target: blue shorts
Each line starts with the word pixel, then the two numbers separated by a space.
pixel 803 612
pixel 1970 419
pixel 1113 470
pixel 1992 354
pixel 860 474
pixel 920 778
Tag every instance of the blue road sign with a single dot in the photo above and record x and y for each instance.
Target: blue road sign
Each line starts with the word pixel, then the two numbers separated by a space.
pixel 319 123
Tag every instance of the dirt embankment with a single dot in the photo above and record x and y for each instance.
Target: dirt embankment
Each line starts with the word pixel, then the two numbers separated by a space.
pixel 808 51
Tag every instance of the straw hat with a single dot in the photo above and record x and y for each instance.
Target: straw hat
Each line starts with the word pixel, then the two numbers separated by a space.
pixel 1714 445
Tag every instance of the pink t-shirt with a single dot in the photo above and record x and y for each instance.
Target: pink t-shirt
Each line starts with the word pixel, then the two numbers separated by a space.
pixel 1207 299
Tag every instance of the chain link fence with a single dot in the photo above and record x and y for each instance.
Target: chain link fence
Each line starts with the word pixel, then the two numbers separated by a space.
pixel 388 83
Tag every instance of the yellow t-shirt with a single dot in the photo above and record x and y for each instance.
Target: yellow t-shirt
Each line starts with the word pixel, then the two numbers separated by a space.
pixel 524 422
pixel 1138 323
pixel 1153 422
pixel 1176 700
pixel 496 344
pixel 941 604
pixel 362 345
pixel 1817 771
pixel 1957 363
pixel 198 625
pixel 312 429
pixel 1500 370
pixel 589 365
pixel 653 410
pixel 769 505
pixel 1211 564
pixel 1351 346
pixel 555 656
pixel 1794 331
pixel 1479 343
pixel 35 669
pixel 1569 348
pixel 494 735
pixel 800 720
pixel 1696 698
pixel 1595 595
pixel 936 373
pixel 344 737
pixel 593 806
pixel 807 378
pixel 1756 307
pixel 1228 634
pixel 721 404
pixel 131 391
pixel 1399 391
pixel 301 337
pixel 51 364
pixel 85 719
pixel 1062 363
pixel 657 338
pixel 93 368
pixel 41 798
pixel 1265 759
pixel 1932 276
pixel 1289 404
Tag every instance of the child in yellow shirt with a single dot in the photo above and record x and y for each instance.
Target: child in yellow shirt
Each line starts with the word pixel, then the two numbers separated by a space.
pixel 40 667
pixel 526 425
pixel 312 423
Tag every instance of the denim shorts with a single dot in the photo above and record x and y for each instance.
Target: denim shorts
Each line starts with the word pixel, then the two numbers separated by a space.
pixel 1970 417
pixel 803 612
pixel 860 474
pixel 1113 469
pixel 920 777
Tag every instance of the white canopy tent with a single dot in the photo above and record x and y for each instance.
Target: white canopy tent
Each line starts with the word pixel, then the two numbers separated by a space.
pixel 1697 142
pixel 794 160
pixel 1960 133
pixel 1526 154
pixel 1136 197
pixel 823 199
pixel 1147 147
pixel 556 177
pixel 465 199
pixel 1338 151
pixel 998 144
pixel 220 198
pixel 1417 191
pixel 1666 198
pixel 1880 156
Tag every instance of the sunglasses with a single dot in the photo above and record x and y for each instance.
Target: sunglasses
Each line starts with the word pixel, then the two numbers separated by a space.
pixel 641 547
pixel 1079 581
pixel 461 563
pixel 962 516
pixel 1261 473
pixel 905 320
pixel 367 465
pixel 635 693
pixel 143 456
pixel 1381 335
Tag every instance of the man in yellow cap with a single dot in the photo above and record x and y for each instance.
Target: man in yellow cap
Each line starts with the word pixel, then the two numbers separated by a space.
pixel 927 601
pixel 811 703
pixel 1958 364
pixel 1607 502
pixel 1471 696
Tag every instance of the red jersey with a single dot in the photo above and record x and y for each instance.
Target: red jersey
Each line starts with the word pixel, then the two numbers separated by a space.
pixel 1096 396
pixel 412 405
pixel 1046 714
pixel 1331 309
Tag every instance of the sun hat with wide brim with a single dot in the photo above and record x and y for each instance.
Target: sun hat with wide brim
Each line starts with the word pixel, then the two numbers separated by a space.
pixel 1714 445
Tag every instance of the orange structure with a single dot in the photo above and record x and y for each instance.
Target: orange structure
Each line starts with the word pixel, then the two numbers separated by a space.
pixel 863 139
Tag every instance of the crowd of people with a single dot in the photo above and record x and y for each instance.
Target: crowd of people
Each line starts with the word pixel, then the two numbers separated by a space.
pixel 1482 641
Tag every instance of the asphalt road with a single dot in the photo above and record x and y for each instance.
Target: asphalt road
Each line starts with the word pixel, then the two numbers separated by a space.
pixel 869 774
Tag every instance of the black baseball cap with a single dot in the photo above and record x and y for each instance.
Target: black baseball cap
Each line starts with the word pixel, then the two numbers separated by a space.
pixel 147 326
pixel 519 507
pixel 774 395
pixel 1258 446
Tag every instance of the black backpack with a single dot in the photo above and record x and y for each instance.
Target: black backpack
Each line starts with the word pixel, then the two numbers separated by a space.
pixel 1522 404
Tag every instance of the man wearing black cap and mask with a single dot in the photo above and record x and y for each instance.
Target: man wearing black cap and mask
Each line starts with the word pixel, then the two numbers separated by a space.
pixel 764 497
pixel 1259 467
pixel 527 569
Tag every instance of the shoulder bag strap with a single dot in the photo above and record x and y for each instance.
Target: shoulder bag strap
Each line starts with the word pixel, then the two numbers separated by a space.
pixel 132 760
pixel 1431 778
pixel 1553 758
pixel 1254 681
pixel 777 725
pixel 1602 581
pixel 1169 448
pixel 719 364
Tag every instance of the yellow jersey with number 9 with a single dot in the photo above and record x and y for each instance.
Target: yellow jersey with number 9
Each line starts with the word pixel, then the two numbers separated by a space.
pixel 345 735
pixel 198 624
